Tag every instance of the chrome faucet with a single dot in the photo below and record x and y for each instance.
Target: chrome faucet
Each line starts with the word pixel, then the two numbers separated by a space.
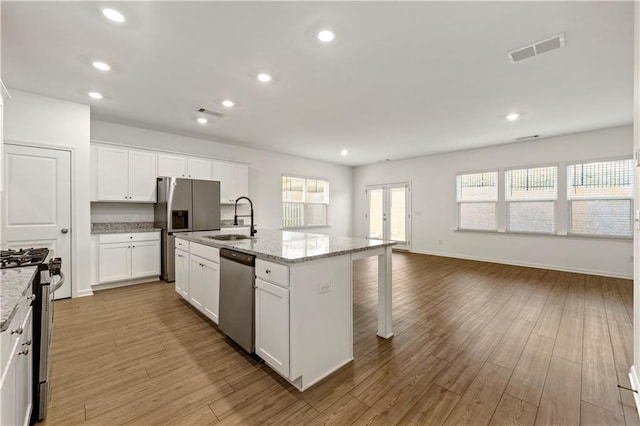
pixel 252 230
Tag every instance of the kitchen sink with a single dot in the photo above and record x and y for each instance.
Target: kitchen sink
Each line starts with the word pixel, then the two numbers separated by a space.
pixel 228 237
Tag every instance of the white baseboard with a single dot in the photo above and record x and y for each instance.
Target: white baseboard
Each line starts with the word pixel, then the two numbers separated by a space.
pixel 633 378
pixel 84 293
pixel 528 264
pixel 107 286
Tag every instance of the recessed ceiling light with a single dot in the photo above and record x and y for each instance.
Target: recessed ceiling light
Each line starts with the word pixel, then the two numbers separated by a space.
pixel 202 120
pixel 228 103
pixel 512 116
pixel 101 66
pixel 326 36
pixel 95 95
pixel 264 77
pixel 113 15
pixel 344 152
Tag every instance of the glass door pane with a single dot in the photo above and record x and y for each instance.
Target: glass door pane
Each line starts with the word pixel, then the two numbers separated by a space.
pixel 376 212
pixel 398 213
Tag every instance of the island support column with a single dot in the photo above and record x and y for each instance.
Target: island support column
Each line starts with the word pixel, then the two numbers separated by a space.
pixel 384 294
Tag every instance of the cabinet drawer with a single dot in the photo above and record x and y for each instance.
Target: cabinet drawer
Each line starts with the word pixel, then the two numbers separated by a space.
pixel 182 244
pixel 9 341
pixel 272 272
pixel 206 252
pixel 123 238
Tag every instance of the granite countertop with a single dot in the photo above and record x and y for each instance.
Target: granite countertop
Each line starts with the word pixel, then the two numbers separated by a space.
pixel 122 227
pixel 14 283
pixel 287 246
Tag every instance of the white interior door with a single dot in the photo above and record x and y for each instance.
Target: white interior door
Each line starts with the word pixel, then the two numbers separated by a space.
pixel 37 203
pixel 389 213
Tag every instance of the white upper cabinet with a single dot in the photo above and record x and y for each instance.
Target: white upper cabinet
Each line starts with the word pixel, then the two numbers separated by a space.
pixel 234 180
pixel 125 175
pixel 172 165
pixel 113 171
pixel 142 176
pixel 199 168
pixel 184 167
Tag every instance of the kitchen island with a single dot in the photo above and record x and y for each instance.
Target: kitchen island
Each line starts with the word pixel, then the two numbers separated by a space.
pixel 303 295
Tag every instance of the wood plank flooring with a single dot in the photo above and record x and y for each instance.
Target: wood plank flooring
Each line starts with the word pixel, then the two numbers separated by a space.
pixel 475 343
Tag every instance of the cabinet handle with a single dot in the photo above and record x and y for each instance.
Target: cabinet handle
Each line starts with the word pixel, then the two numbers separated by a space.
pixel 134 246
pixel 28 342
pixel 131 237
pixel 32 297
pixel 268 271
pixel 18 330
pixel 202 265
pixel 24 351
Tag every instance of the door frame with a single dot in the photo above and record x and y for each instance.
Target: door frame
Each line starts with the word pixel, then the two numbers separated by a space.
pixel 407 184
pixel 75 237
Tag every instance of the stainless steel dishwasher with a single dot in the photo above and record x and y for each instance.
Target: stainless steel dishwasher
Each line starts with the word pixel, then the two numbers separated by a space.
pixel 237 278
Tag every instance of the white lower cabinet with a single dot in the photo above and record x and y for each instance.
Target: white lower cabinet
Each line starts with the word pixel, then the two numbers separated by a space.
pixel 182 273
pixel 16 398
pixel 128 256
pixel 198 278
pixel 272 325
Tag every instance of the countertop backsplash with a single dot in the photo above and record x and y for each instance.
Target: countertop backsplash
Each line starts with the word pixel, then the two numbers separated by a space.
pixel 121 212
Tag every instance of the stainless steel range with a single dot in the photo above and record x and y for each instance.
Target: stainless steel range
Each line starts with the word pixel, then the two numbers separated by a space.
pixel 48 279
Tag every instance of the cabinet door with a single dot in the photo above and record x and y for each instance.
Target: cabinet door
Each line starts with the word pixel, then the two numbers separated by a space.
pixel 9 400
pixel 199 168
pixel 272 326
pixel 222 172
pixel 24 371
pixel 145 259
pixel 142 176
pixel 196 282
pixel 115 262
pixel 113 173
pixel 182 273
pixel 239 181
pixel 172 166
pixel 211 290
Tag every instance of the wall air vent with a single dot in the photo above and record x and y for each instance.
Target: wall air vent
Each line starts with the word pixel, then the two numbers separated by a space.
pixel 537 48
pixel 210 112
pixel 526 138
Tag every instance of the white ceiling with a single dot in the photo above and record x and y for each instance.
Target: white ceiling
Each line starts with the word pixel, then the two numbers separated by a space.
pixel 400 79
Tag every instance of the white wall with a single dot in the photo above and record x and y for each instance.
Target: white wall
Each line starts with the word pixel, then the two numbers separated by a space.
pixel 636 243
pixel 43 121
pixel 434 204
pixel 266 169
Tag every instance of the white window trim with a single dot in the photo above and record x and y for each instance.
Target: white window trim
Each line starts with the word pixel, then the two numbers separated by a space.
pixel 507 201
pixel 304 191
pixel 495 202
pixel 612 197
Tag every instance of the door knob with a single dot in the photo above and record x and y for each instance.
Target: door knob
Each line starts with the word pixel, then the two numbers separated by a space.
pixel 64 230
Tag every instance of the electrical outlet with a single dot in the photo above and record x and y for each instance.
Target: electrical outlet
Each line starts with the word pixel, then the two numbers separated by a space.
pixel 324 288
pixel 126 218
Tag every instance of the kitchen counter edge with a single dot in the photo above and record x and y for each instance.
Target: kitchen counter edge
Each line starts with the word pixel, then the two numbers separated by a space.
pixel 15 283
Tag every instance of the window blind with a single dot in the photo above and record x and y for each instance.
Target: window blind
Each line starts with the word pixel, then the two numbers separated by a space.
pixel 477 195
pixel 531 196
pixel 600 196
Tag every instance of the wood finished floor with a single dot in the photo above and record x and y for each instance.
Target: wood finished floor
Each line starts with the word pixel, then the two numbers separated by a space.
pixel 475 343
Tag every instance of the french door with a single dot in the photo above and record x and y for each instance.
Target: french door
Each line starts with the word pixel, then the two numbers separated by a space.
pixel 389 213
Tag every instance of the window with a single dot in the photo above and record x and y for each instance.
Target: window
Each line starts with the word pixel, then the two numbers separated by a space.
pixel 305 202
pixel 600 196
pixel 477 196
pixel 531 196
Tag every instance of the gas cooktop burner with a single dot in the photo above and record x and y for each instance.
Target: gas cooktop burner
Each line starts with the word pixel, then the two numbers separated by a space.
pixel 22 257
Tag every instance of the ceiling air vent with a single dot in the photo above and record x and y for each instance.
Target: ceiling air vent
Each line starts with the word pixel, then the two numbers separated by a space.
pixel 526 138
pixel 537 48
pixel 210 112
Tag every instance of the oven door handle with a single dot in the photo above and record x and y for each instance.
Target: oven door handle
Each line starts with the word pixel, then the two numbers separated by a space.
pixel 58 283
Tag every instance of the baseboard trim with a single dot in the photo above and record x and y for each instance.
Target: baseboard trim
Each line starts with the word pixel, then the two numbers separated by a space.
pixel 528 264
pixel 633 379
pixel 84 293
pixel 107 286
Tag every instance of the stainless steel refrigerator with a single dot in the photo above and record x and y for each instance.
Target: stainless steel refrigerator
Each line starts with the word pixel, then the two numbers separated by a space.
pixel 184 205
